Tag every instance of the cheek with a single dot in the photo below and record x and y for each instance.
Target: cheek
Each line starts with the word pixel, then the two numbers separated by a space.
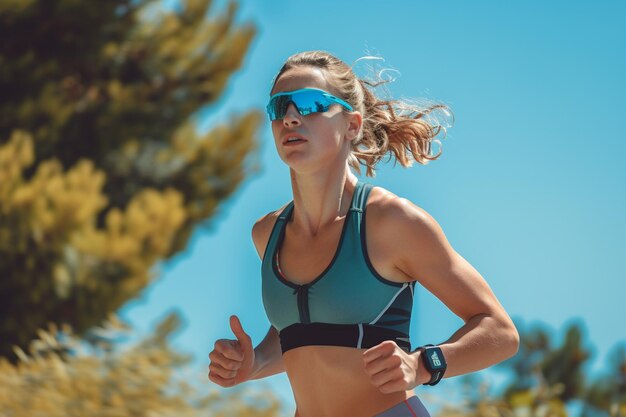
pixel 328 124
pixel 334 131
pixel 332 138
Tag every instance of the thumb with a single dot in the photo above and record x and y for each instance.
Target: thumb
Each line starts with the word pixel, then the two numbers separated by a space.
pixel 242 337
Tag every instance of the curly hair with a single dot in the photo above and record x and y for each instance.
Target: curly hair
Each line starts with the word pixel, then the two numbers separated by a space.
pixel 397 127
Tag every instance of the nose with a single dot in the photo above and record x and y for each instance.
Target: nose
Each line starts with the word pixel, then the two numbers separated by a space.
pixel 292 116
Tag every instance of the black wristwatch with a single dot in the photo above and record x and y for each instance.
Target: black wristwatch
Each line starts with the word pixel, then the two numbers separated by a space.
pixel 433 360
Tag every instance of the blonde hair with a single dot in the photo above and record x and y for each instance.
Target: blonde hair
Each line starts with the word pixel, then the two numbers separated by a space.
pixel 397 127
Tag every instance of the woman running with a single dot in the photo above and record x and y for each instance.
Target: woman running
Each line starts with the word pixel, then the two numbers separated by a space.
pixel 341 260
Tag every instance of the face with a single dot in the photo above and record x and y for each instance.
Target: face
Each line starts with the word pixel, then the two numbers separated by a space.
pixel 325 136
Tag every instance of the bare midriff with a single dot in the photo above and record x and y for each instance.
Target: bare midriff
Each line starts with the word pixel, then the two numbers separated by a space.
pixel 331 381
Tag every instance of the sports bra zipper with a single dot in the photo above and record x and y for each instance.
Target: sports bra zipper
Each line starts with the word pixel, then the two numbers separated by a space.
pixel 303 302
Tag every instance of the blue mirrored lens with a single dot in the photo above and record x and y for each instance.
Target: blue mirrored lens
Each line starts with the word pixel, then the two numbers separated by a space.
pixel 307 101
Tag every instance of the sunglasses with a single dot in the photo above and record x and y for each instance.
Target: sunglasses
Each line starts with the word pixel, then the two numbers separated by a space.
pixel 306 100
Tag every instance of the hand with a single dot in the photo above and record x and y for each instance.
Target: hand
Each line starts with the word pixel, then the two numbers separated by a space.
pixel 392 369
pixel 232 361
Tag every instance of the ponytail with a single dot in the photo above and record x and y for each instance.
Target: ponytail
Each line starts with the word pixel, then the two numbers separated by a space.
pixel 401 128
pixel 395 127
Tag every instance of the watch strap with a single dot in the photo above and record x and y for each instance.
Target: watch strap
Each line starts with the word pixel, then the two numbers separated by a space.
pixel 435 374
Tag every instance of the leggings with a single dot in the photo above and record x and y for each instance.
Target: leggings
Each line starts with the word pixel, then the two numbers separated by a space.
pixel 411 407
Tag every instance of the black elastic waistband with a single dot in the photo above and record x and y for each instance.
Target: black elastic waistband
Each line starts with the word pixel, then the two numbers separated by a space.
pixel 351 335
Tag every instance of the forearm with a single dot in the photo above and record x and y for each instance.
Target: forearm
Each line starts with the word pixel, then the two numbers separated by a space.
pixel 268 358
pixel 482 341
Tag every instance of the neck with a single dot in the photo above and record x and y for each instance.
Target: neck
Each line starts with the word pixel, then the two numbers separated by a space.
pixel 321 200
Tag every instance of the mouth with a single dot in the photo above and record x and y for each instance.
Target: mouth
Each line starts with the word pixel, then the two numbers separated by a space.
pixel 293 139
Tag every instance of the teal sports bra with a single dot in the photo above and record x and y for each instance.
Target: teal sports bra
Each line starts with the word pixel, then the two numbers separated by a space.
pixel 348 304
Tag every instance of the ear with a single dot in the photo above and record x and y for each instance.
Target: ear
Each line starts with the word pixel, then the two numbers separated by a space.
pixel 355 122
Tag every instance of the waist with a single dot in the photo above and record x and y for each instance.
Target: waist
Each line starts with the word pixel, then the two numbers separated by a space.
pixel 331 381
pixel 364 405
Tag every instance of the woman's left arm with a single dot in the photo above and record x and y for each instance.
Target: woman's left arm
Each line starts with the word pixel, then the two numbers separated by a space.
pixel 422 252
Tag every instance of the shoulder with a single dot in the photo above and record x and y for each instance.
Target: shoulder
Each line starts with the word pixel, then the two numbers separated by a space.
pixel 262 229
pixel 395 212
pixel 407 228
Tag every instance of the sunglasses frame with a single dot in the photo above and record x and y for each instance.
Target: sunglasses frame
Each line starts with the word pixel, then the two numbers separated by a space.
pixel 325 94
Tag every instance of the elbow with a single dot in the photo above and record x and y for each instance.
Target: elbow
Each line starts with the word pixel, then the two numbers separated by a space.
pixel 512 340
pixel 505 336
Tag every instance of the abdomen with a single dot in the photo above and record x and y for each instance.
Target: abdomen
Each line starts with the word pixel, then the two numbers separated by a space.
pixel 332 381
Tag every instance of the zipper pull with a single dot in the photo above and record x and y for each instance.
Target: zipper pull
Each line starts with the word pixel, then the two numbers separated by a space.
pixel 301 289
pixel 303 302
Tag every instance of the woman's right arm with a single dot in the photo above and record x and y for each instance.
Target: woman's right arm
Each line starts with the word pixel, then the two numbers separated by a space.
pixel 268 355
pixel 235 361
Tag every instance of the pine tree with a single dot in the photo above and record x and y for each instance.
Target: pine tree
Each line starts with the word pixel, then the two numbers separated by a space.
pixel 102 170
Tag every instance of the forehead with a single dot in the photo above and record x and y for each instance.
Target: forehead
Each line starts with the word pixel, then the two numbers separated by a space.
pixel 302 77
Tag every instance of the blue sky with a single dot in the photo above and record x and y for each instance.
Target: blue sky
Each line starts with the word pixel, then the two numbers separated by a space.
pixel 529 189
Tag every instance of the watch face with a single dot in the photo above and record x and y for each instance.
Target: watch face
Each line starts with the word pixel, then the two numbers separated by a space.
pixel 435 358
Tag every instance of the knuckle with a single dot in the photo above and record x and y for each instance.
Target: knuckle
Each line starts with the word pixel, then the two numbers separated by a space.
pixel 218 380
pixel 216 369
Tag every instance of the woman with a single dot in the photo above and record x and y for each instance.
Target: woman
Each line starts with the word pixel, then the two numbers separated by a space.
pixel 342 332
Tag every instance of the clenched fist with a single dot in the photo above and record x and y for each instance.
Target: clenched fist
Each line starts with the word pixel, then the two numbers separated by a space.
pixel 232 361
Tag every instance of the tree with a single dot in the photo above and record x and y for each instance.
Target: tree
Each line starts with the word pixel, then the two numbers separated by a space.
pixel 608 392
pixel 538 363
pixel 97 376
pixel 547 378
pixel 102 170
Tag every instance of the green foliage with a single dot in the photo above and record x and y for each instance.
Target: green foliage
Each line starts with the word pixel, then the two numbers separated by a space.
pixel 547 378
pixel 102 170
pixel 549 365
pixel 609 391
pixel 63 376
pixel 537 401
